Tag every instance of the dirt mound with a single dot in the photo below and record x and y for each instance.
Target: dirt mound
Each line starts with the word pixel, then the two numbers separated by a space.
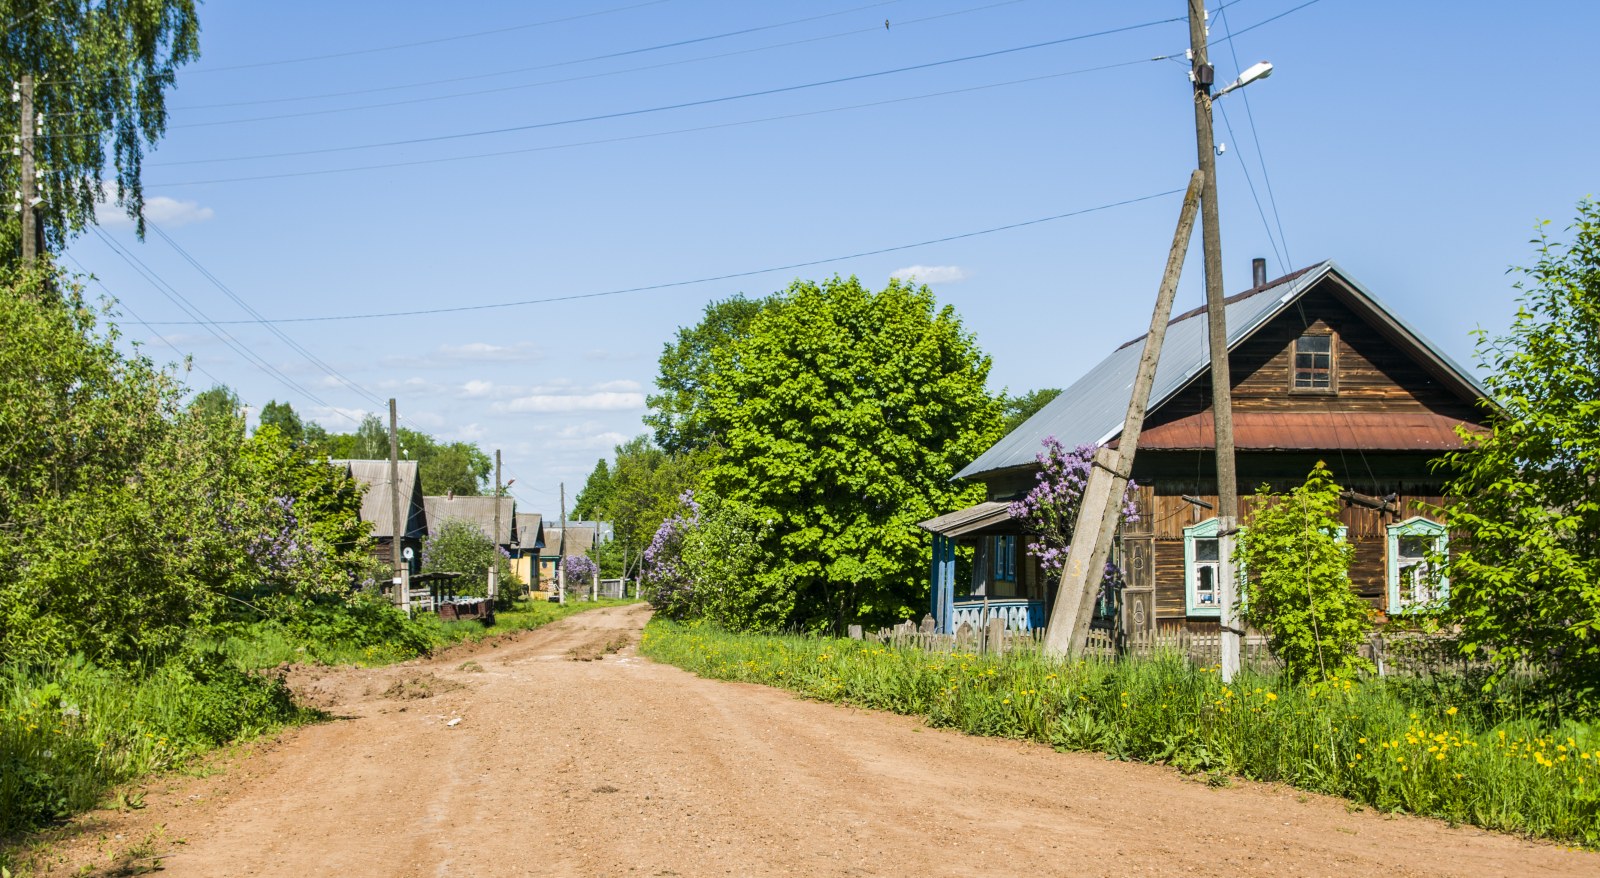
pixel 417 686
pixel 598 648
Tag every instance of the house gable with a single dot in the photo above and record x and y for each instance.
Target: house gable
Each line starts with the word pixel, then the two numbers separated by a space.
pixel 1385 393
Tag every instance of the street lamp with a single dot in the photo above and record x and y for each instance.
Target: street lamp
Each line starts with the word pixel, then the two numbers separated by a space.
pixel 1260 70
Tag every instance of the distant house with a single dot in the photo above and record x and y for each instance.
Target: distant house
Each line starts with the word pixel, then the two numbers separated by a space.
pixel 578 538
pixel 1321 370
pixel 525 558
pixel 377 508
pixel 477 511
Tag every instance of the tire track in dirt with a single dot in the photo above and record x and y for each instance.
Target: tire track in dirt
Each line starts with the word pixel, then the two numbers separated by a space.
pixel 624 767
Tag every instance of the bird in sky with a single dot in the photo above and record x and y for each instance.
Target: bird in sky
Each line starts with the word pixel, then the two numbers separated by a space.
pixel 886 24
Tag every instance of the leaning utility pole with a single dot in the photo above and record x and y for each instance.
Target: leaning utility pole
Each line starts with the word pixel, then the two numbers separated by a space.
pixel 494 565
pixel 399 524
pixel 561 551
pixel 1216 322
pixel 1101 509
pixel 28 191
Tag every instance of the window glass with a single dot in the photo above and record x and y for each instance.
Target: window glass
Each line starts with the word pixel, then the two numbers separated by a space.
pixel 1313 362
pixel 1205 573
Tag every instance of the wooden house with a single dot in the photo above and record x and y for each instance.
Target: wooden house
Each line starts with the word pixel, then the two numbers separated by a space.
pixel 477 511
pixel 530 544
pixel 1320 370
pixel 377 508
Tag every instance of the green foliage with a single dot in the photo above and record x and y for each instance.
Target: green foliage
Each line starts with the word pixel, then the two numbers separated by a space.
pixel 1298 590
pixel 1525 559
pixel 451 467
pixel 681 415
pixel 129 519
pixel 69 730
pixel 734 584
pixel 218 403
pixel 847 411
pixel 102 72
pixel 595 495
pixel 646 483
pixel 283 417
pixel 458 546
pixel 1016 409
pixel 1365 740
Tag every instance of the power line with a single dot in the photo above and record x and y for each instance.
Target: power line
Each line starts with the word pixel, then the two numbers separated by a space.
pixel 678 106
pixel 1253 196
pixel 374 50
pixel 683 283
pixel 1238 33
pixel 541 83
pixel 1255 134
pixel 211 326
pixel 188 358
pixel 654 134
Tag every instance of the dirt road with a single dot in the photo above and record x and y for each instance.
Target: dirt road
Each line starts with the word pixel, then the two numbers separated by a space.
pixel 517 759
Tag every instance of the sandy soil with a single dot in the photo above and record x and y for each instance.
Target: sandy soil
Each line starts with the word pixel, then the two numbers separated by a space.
pixel 619 766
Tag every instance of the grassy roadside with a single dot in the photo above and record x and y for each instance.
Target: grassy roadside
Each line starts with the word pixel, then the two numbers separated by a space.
pixel 72 732
pixel 1434 750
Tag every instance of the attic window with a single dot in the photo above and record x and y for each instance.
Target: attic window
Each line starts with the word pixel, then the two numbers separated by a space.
pixel 1313 363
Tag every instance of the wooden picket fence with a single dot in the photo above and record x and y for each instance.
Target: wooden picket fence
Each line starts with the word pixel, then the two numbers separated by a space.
pixel 1404 654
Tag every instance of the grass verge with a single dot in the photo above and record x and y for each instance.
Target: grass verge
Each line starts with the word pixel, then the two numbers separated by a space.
pixel 70 731
pixel 1394 746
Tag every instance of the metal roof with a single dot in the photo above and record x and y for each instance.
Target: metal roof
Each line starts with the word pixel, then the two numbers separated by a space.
pixel 530 530
pixel 476 510
pixel 375 501
pixel 1091 410
pixel 969 520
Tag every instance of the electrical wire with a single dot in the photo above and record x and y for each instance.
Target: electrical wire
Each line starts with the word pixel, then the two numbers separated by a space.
pixel 677 106
pixel 522 86
pixel 377 49
pixel 1282 267
pixel 655 134
pixel 188 358
pixel 683 283
pixel 211 326
pixel 1255 134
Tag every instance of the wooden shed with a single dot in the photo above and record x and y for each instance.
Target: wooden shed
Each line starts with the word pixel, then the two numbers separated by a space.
pixel 1321 370
pixel 376 507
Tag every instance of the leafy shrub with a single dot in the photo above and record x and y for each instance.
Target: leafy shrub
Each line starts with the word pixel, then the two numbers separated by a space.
pixel 458 546
pixel 1525 563
pixel 1298 590
pixel 1363 739
pixel 710 562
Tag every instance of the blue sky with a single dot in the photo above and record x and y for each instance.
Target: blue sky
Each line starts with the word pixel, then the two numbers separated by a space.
pixel 1415 143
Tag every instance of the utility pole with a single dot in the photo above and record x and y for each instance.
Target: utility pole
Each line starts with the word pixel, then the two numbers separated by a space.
pixel 400 587
pixel 1216 323
pixel 494 566
pixel 1101 510
pixel 29 184
pixel 561 551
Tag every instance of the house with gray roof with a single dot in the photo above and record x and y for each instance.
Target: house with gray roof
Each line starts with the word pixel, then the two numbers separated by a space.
pixel 1321 370
pixel 377 508
pixel 477 511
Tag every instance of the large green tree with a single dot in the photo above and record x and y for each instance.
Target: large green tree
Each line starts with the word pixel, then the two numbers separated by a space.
pixel 595 495
pixel 645 487
pixel 1525 555
pixel 282 417
pixel 679 414
pixel 848 411
pixel 101 72
pixel 1016 409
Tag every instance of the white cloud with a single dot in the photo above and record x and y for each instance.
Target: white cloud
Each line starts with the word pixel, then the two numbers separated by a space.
pixel 931 274
pixel 480 351
pixel 335 418
pixel 159 209
pixel 621 384
pixel 602 401
pixel 476 388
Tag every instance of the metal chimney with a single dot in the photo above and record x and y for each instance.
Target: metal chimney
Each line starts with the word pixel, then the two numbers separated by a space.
pixel 1258 272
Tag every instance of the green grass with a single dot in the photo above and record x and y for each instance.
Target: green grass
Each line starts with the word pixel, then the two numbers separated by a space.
pixel 70 732
pixel 1438 750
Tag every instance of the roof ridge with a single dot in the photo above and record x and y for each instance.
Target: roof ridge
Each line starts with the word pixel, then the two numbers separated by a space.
pixel 1236 297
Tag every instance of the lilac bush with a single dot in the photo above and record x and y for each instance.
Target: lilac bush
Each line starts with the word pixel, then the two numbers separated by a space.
pixel 1050 510
pixel 580 570
pixel 663 574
